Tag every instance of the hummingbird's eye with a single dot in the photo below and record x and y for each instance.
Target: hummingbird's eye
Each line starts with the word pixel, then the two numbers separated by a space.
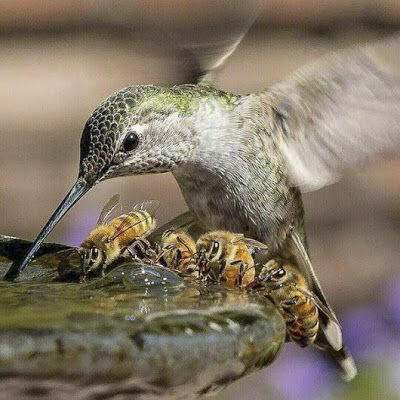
pixel 131 141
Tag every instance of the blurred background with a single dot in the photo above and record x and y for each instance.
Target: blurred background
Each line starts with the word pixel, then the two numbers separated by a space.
pixel 58 59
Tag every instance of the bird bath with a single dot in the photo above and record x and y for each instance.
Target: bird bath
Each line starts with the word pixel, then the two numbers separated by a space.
pixel 140 332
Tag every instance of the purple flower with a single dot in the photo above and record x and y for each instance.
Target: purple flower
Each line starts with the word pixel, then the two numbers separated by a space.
pixel 81 226
pixel 392 303
pixel 301 374
pixel 366 333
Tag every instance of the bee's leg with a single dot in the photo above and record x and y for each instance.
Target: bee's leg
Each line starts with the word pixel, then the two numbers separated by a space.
pixel 242 269
pixel 157 247
pixel 290 318
pixel 151 255
pixel 148 250
pixel 287 305
pixel 222 266
pixel 83 275
pixel 288 315
pixel 192 269
pixel 176 259
pixel 135 249
pixel 132 251
pixel 161 252
pixel 142 246
pixel 292 301
pixel 215 270
pixel 268 266
pixel 205 271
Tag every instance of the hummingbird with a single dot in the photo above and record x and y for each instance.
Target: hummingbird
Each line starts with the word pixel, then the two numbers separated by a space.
pixel 242 162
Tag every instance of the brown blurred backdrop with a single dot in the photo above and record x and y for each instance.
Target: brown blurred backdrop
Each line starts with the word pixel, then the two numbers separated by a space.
pixel 58 59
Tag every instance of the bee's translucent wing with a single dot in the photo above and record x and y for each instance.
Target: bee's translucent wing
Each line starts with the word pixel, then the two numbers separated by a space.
pixel 306 268
pixel 171 230
pixel 151 206
pixel 182 242
pixel 167 232
pixel 305 265
pixel 109 209
pixel 337 114
pixel 186 221
pixel 237 238
pixel 334 334
pixel 127 224
pixel 326 310
pixel 255 244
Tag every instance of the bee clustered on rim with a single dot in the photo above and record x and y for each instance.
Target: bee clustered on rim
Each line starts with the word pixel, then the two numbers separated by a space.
pixel 216 257
pixel 221 258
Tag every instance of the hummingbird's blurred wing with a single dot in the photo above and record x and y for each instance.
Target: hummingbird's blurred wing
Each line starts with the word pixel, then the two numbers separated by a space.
pixel 338 113
pixel 214 37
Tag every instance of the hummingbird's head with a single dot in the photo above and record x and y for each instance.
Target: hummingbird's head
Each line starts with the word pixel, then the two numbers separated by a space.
pixel 140 129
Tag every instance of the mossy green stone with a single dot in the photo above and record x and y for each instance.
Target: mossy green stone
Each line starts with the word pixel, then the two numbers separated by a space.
pixel 141 329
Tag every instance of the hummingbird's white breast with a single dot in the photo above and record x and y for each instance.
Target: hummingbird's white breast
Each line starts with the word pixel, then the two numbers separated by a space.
pixel 231 183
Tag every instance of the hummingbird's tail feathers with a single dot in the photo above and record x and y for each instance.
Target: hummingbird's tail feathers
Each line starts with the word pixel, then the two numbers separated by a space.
pixel 345 363
pixel 333 333
pixel 330 337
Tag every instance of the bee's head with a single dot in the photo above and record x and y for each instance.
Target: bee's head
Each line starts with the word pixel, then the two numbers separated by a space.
pixel 209 256
pixel 273 274
pixel 214 251
pixel 168 237
pixel 91 258
pixel 210 249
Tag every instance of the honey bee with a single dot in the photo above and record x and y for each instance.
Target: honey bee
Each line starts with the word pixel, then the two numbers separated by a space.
pixel 177 249
pixel 227 257
pixel 308 319
pixel 122 236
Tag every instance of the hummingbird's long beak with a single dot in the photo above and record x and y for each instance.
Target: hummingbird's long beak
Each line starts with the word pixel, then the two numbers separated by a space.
pixel 77 191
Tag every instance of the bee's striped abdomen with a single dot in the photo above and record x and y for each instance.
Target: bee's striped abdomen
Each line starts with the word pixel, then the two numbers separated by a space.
pixel 132 226
pixel 142 223
pixel 179 249
pixel 304 328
